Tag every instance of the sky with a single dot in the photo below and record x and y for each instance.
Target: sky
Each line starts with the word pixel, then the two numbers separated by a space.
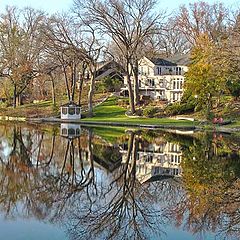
pixel 52 6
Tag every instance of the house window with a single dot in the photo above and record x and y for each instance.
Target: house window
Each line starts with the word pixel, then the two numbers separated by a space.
pixel 181 85
pixel 149 158
pixel 159 71
pixel 178 84
pixel 178 71
pixel 174 84
pixel 175 96
pixel 151 82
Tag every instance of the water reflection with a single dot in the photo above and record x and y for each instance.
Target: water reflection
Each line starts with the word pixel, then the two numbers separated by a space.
pixel 129 185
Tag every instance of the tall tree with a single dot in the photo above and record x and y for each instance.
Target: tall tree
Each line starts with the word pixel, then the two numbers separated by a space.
pixel 73 46
pixel 127 23
pixel 204 79
pixel 21 45
pixel 202 18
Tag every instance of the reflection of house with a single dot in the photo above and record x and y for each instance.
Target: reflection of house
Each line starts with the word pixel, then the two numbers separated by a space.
pixel 157 160
pixel 162 78
pixel 104 156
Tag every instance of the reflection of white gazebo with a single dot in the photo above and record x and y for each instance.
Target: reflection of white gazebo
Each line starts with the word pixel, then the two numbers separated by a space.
pixel 70 130
pixel 70 111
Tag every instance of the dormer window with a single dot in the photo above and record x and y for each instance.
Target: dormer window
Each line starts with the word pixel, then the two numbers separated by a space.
pixel 178 71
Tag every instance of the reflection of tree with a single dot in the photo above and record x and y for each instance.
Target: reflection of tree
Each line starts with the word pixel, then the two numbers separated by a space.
pixel 59 180
pixel 211 179
pixel 125 211
pixel 40 178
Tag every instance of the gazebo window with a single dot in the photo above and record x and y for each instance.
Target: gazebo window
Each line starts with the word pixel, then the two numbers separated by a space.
pixel 71 131
pixel 77 131
pixel 64 131
pixel 71 111
pixel 77 111
pixel 64 111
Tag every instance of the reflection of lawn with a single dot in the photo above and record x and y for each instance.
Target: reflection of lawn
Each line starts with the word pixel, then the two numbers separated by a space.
pixel 109 111
pixel 110 134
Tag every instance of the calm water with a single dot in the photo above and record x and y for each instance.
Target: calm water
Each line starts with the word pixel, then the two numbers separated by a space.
pixel 69 182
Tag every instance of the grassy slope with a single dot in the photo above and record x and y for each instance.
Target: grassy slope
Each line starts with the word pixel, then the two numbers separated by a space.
pixel 109 111
pixel 41 109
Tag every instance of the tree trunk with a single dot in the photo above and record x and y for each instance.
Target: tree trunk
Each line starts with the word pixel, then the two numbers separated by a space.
pixel 74 80
pixel 80 91
pixel 67 85
pixel 15 96
pixel 53 91
pixel 131 95
pixel 18 100
pixel 90 96
pixel 136 83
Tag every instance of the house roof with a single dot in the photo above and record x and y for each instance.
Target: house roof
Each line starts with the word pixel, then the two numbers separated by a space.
pixel 175 60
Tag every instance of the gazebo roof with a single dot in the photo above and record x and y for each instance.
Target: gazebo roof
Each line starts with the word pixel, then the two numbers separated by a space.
pixel 70 104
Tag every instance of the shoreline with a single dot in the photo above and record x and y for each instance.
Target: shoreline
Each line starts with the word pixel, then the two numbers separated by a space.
pixel 54 120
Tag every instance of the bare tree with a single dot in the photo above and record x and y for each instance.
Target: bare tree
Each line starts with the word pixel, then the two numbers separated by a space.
pixel 73 46
pixel 127 23
pixel 202 18
pixel 21 45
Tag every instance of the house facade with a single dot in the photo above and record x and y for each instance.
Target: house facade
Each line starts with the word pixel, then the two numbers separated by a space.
pixel 162 79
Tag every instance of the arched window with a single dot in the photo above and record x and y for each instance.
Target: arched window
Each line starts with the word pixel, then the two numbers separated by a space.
pixel 64 111
pixel 77 110
pixel 71 110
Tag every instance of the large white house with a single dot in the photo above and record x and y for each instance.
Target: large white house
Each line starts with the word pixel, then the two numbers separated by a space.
pixel 162 79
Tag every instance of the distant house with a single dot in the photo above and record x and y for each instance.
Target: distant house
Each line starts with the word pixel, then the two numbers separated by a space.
pixel 162 78
pixel 109 69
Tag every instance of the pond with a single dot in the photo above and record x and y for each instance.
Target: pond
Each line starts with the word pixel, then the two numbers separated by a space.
pixel 71 182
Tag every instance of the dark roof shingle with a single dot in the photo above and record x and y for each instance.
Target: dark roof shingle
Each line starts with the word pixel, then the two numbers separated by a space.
pixel 178 59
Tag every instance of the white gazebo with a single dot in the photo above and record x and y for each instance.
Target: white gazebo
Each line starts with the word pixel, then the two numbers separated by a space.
pixel 70 111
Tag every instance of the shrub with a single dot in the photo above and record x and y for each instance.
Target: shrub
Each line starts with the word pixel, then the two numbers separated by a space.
pixel 123 102
pixel 180 108
pixel 150 111
pixel 234 88
pixel 109 84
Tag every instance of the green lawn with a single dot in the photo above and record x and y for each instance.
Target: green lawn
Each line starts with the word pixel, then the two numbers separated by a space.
pixel 110 112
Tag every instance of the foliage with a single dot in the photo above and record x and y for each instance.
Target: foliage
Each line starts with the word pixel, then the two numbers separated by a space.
pixel 123 102
pixel 204 79
pixel 150 111
pixel 180 108
pixel 234 87
pixel 109 84
pixel 187 105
